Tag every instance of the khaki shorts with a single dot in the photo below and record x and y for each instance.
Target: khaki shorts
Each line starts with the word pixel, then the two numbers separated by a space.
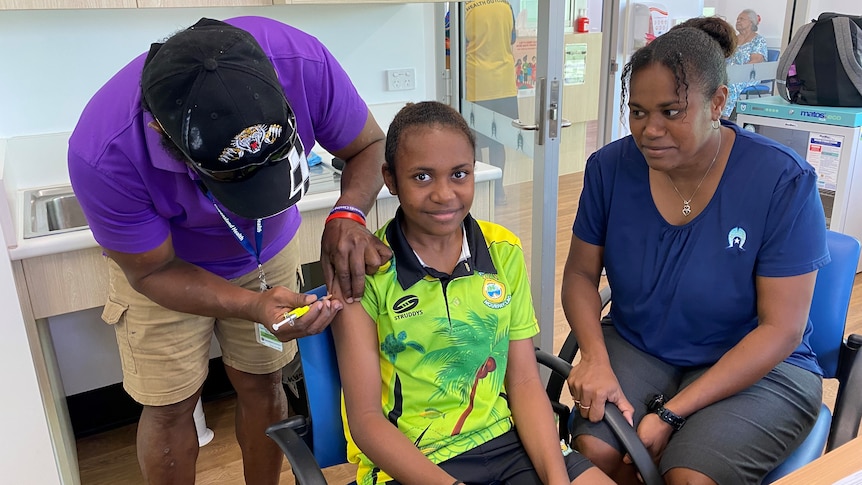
pixel 165 354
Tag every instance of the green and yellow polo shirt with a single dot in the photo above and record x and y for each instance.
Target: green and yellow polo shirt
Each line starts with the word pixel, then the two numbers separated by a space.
pixel 444 341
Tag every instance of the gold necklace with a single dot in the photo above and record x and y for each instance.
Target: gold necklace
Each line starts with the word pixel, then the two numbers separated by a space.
pixel 686 204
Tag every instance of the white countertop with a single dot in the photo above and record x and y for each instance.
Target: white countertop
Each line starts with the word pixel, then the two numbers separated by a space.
pixel 83 239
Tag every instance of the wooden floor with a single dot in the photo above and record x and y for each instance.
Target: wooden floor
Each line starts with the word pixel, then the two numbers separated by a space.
pixel 109 458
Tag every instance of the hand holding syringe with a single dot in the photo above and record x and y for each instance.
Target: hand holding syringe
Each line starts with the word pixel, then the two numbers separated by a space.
pixel 291 316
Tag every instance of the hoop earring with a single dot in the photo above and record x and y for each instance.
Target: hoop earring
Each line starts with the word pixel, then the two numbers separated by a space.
pixel 716 124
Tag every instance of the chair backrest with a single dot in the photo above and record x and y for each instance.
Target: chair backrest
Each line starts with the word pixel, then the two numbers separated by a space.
pixel 832 299
pixel 772 55
pixel 323 388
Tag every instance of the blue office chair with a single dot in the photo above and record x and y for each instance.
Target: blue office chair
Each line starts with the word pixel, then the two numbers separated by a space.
pixel 313 442
pixel 837 356
pixel 765 86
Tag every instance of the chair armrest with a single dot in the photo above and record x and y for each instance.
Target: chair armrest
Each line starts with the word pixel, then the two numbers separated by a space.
pixel 568 352
pixel 617 422
pixel 848 405
pixel 288 435
pixel 633 444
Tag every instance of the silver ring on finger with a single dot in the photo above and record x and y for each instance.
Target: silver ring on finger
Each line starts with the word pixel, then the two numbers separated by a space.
pixel 583 408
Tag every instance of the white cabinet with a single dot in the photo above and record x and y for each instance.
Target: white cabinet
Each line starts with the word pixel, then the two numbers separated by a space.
pixel 834 151
pixel 64 4
pixel 83 4
pixel 201 3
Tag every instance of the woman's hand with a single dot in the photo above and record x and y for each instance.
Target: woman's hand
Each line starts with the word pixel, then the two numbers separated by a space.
pixel 593 384
pixel 654 433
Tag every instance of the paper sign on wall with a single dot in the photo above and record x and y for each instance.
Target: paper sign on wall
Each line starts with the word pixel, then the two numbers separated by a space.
pixel 575 67
pixel 824 154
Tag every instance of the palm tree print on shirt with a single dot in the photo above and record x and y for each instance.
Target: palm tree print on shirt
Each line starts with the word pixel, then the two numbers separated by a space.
pixel 476 351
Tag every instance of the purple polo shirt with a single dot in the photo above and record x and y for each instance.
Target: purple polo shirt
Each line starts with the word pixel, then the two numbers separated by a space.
pixel 135 195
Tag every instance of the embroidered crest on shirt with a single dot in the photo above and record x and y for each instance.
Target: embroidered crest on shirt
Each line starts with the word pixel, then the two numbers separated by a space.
pixel 495 293
pixel 250 140
pixel 736 238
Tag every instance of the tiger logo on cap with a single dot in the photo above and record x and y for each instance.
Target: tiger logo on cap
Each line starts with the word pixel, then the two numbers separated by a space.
pixel 250 140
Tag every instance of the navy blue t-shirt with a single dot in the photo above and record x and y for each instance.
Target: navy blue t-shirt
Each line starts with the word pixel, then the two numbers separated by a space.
pixel 686 294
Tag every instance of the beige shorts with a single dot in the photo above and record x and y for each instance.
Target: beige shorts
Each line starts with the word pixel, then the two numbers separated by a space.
pixel 165 354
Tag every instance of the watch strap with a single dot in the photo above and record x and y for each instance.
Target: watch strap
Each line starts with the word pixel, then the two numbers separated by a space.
pixel 674 420
pixel 656 405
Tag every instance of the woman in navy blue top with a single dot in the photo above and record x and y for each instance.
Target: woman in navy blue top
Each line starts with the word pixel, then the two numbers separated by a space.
pixel 711 238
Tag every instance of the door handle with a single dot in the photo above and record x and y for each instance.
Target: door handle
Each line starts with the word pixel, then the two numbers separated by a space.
pixel 517 124
pixel 550 113
pixel 564 123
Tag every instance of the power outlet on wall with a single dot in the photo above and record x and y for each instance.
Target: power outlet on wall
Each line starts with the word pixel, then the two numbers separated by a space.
pixel 400 79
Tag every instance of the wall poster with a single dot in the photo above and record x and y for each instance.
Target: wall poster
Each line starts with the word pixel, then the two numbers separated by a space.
pixel 575 66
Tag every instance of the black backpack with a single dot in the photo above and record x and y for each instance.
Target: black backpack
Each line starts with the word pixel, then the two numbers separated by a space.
pixel 827 56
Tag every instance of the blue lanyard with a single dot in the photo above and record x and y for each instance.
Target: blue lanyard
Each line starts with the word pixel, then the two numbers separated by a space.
pixel 243 240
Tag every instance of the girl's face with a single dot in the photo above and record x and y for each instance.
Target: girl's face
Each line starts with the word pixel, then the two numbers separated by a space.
pixel 434 179
pixel 671 133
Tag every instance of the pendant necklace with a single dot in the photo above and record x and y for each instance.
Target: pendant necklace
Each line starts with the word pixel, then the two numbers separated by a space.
pixel 686 204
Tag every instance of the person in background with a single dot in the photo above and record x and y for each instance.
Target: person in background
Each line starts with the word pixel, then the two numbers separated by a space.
pixel 437 365
pixel 489 32
pixel 711 237
pixel 750 49
pixel 188 164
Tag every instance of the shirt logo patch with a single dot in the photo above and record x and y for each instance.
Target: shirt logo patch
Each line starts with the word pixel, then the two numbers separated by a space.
pixel 404 305
pixel 495 294
pixel 736 238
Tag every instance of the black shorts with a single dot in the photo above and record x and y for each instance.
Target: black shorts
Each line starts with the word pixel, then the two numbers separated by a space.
pixel 736 440
pixel 503 460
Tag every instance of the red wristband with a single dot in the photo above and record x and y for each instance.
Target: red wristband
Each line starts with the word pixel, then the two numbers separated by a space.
pixel 345 215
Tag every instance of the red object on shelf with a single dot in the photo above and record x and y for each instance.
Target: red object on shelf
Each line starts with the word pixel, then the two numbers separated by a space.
pixel 582 24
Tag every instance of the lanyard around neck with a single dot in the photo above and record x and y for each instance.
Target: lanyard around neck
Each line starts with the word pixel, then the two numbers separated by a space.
pixel 254 251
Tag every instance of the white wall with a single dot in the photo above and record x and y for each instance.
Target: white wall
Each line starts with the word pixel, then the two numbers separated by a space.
pixel 54 60
pixel 816 7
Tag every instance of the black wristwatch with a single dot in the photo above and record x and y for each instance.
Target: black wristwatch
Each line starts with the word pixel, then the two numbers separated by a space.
pixel 656 405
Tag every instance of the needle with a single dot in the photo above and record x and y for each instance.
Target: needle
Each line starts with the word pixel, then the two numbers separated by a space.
pixel 291 316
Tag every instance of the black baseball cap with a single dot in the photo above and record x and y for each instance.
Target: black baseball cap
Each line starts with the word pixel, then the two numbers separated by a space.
pixel 217 97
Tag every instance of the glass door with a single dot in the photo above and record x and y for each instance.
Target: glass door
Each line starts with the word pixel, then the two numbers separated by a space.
pixel 514 65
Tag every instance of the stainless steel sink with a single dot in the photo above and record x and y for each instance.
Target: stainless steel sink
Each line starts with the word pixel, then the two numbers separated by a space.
pixel 53 210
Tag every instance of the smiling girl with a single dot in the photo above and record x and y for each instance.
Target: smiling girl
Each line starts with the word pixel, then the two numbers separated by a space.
pixel 437 361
